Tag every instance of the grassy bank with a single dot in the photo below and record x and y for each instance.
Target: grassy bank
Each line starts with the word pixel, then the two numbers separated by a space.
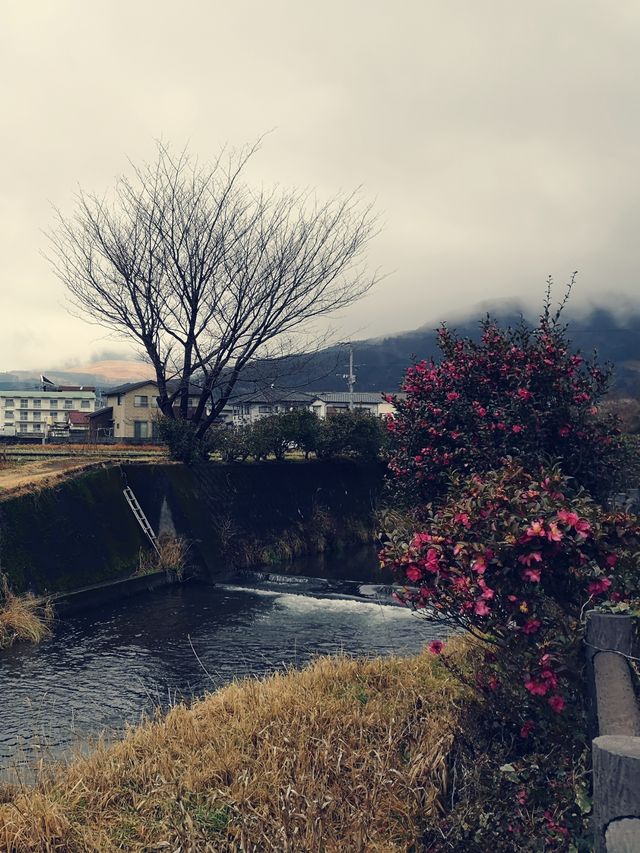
pixel 22 617
pixel 345 755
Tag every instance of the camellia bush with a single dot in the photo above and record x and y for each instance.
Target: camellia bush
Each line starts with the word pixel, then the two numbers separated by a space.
pixel 516 558
pixel 502 466
pixel 518 391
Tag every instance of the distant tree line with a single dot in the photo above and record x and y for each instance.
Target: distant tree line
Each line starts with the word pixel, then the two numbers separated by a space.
pixel 355 434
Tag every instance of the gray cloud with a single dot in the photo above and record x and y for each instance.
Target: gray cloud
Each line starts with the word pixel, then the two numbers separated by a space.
pixel 500 140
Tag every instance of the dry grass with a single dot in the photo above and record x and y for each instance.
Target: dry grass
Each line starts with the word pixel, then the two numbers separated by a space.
pixel 345 755
pixel 19 477
pixel 171 556
pixel 22 617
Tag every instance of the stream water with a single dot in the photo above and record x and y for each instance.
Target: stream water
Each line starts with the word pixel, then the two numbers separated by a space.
pixel 108 667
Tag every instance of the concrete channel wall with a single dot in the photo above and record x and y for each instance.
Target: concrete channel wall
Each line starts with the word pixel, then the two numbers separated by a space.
pixel 611 643
pixel 82 533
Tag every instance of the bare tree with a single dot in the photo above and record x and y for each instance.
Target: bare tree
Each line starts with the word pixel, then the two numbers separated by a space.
pixel 207 275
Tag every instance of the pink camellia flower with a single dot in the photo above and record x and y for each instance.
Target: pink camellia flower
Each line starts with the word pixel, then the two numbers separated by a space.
pixel 568 518
pixel 557 703
pixel 521 796
pixel 493 683
pixel 535 529
pixel 462 518
pixel 481 608
pixel 453 395
pixel 582 527
pixel 531 575
pixel 612 559
pixel 524 394
pixel 599 586
pixel 479 565
pixel 554 534
pixel 527 728
pixel 436 647
pixel 533 557
pixel 531 626
pixel 431 560
pixel 517 428
pixel 564 431
pixel 536 688
pixel 414 574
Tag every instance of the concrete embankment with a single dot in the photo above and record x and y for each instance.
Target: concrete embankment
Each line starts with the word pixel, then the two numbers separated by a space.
pixel 82 532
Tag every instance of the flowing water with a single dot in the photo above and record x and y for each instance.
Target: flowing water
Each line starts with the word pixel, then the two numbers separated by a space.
pixel 108 667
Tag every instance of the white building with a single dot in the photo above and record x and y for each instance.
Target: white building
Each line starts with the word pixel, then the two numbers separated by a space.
pixel 328 403
pixel 37 412
pixel 248 408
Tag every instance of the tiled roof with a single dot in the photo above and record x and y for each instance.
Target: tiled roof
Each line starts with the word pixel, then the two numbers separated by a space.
pixel 370 397
pixel 274 395
pixel 194 391
pixel 78 418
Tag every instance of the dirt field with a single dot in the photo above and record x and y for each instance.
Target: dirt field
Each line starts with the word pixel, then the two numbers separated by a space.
pixel 21 470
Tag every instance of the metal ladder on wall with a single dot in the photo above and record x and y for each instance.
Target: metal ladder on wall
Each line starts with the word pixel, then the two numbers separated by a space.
pixel 141 518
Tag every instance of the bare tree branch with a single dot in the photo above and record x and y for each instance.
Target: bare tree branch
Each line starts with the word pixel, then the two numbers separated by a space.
pixel 204 274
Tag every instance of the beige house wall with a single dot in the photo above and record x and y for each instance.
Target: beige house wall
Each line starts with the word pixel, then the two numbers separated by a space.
pixel 126 412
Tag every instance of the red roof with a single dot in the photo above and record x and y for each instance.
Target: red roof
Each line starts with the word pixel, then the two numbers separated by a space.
pixel 79 418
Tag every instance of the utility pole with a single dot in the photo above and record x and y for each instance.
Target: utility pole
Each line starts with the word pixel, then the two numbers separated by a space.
pixel 350 376
pixel 351 379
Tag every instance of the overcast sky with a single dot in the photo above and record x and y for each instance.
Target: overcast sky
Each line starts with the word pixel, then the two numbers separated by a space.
pixel 500 140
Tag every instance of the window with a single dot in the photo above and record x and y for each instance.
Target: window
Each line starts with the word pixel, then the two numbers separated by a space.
pixel 141 402
pixel 24 416
pixel 37 404
pixel 53 404
pixel 119 400
pixel 24 403
pixel 22 428
pixel 8 416
pixel 8 403
pixel 140 429
pixel 68 404
pixel 86 404
pixel 264 410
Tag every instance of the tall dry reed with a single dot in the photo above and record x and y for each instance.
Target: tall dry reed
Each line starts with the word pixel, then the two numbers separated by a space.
pixel 22 617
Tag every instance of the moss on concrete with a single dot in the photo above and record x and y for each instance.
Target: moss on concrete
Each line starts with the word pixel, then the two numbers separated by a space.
pixel 82 532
